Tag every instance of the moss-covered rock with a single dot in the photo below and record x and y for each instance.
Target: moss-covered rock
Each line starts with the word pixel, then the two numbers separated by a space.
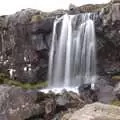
pixel 26 85
pixel 4 79
pixel 115 102
pixel 36 18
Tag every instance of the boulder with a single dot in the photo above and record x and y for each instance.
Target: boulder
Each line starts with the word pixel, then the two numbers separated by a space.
pixel 106 94
pixel 20 104
pixel 88 94
pixel 69 100
pixel 95 111
pixel 105 90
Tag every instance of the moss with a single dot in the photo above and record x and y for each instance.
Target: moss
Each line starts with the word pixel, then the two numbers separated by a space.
pixel 116 77
pixel 115 102
pixel 27 85
pixel 4 79
pixel 36 18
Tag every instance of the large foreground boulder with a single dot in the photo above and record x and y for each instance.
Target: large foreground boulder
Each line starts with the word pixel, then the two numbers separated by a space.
pixel 20 104
pixel 96 111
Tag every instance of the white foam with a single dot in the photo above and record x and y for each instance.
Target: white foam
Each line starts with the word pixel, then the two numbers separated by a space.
pixel 25 69
pixel 60 90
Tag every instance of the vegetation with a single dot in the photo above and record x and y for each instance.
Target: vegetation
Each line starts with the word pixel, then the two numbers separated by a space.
pixel 115 102
pixel 116 77
pixel 4 79
pixel 36 18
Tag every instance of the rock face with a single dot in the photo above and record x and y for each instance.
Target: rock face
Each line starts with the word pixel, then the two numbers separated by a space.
pixel 96 111
pixel 18 104
pixel 108 38
pixel 25 39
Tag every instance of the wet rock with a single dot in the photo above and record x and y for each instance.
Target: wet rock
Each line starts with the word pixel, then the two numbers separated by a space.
pixel 106 94
pixel 68 100
pixel 105 90
pixel 96 111
pixel 87 93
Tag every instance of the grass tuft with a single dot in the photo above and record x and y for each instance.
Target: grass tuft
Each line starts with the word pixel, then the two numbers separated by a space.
pixel 4 79
pixel 115 102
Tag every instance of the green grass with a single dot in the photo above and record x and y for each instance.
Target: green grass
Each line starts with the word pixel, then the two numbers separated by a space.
pixel 4 79
pixel 115 102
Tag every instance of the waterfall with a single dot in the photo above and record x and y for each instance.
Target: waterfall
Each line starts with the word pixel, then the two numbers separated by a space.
pixel 72 60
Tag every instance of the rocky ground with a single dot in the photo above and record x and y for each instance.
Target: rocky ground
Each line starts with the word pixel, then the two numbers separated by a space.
pixel 17 103
pixel 25 39
pixel 96 111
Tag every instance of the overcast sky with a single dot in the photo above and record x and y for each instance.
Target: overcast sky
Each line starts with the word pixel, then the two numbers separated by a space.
pixel 11 6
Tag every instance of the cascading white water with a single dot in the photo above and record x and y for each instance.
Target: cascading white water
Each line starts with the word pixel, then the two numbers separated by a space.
pixel 72 60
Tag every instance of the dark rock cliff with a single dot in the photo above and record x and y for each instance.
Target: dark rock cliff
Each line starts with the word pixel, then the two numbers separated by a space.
pixel 25 39
pixel 108 38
